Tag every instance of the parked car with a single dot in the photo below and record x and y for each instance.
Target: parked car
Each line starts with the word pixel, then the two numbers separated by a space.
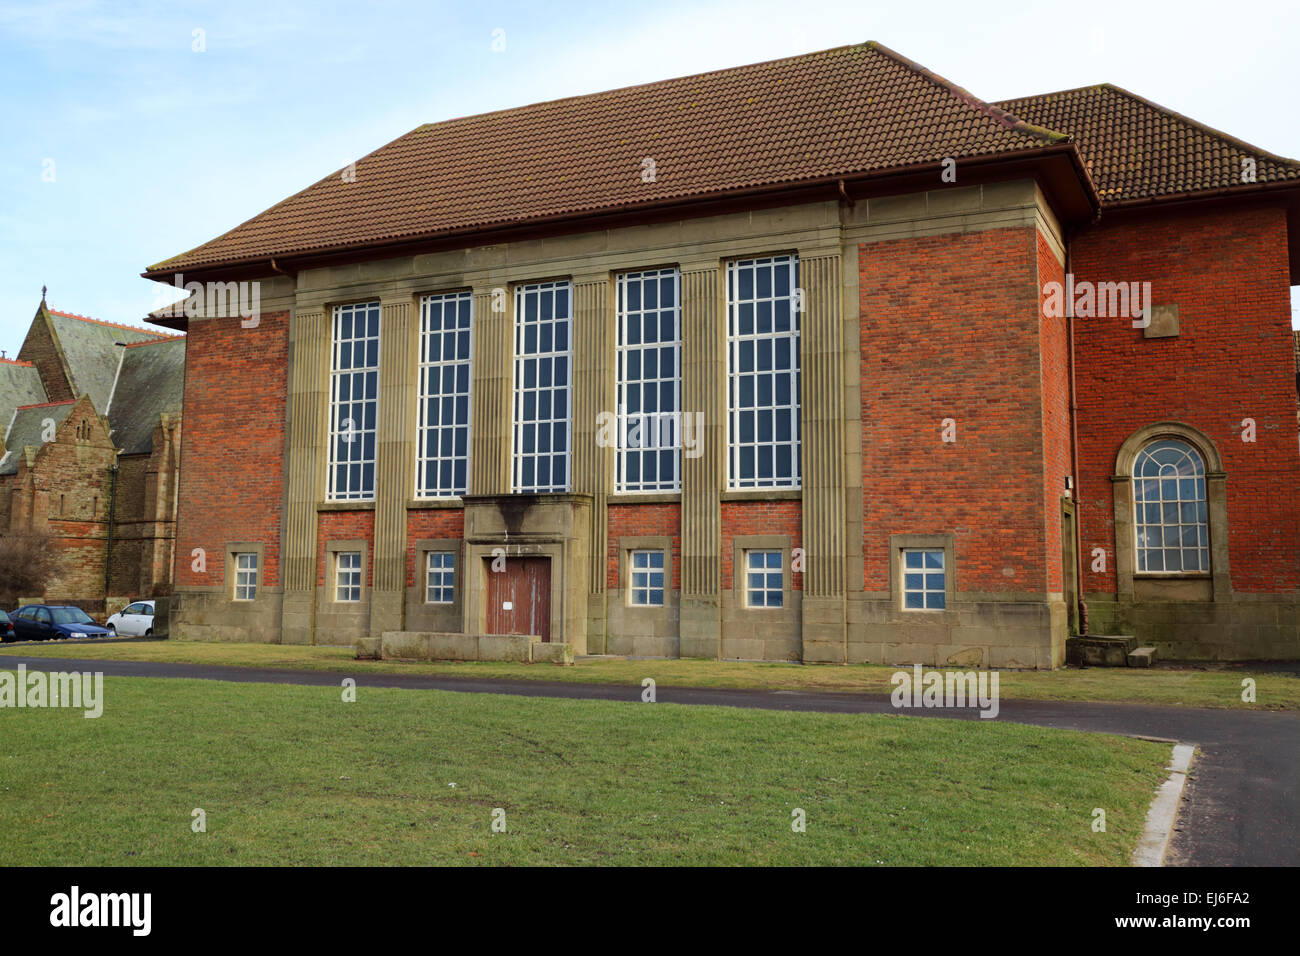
pixel 134 620
pixel 6 628
pixel 44 622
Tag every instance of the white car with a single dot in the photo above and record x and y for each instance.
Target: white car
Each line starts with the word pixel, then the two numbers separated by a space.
pixel 134 620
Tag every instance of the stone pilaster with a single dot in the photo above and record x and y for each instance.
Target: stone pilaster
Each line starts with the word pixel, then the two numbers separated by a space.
pixel 308 431
pixel 395 464
pixel 593 392
pixel 493 394
pixel 822 427
pixel 704 377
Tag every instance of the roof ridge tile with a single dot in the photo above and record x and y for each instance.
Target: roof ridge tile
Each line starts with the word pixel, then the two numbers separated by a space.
pixel 116 325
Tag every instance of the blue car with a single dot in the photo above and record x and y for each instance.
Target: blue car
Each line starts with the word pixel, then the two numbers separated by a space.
pixel 45 622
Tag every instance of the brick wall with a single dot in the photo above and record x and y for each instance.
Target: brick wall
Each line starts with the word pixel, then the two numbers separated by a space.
pixel 759 517
pixel 430 523
pixel 950 329
pixel 334 526
pixel 80 574
pixel 67 491
pixel 1054 346
pixel 38 348
pixel 1233 359
pixel 128 548
pixel 232 459
pixel 648 520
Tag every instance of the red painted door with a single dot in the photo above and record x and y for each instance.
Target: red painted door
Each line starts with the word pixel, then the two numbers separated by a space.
pixel 519 597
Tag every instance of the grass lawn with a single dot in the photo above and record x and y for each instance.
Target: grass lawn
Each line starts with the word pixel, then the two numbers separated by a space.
pixel 1208 686
pixel 294 775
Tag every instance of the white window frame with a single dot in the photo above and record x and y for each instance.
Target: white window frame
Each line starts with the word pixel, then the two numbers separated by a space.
pixel 348 577
pixel 736 343
pixel 660 430
pixel 341 437
pixel 519 456
pixel 640 587
pixel 1199 500
pixel 765 587
pixel 446 574
pixel 433 373
pixel 246 575
pixel 925 572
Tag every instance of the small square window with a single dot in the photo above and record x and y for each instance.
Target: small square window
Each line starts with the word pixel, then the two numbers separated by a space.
pixel 440 577
pixel 764 579
pixel 924 580
pixel 245 575
pixel 347 576
pixel 647 578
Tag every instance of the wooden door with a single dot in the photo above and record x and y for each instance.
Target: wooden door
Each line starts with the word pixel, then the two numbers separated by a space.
pixel 519 597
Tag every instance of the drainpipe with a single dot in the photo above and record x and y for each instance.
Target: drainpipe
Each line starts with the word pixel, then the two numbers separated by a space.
pixel 1074 461
pixel 112 507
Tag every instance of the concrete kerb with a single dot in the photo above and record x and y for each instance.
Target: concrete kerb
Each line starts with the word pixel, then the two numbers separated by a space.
pixel 1163 813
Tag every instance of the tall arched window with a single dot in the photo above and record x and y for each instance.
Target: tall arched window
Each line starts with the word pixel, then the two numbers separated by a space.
pixel 1171 516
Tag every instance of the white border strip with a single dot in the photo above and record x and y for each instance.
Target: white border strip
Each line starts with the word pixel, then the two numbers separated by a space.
pixel 1164 810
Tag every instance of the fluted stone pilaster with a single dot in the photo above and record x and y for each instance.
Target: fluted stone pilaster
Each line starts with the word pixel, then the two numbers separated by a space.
pixel 594 333
pixel 822 427
pixel 493 390
pixel 704 376
pixel 395 464
pixel 593 393
pixel 309 338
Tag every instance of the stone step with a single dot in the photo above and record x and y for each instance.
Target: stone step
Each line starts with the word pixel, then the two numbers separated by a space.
pixel 1142 657
pixel 1099 650
pixel 553 652
pixel 439 646
pixel 449 646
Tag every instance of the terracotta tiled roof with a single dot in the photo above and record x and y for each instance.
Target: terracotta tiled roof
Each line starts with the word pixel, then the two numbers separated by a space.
pixel 850 110
pixel 1137 150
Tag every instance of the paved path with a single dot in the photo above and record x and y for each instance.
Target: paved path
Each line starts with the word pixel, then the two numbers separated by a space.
pixel 1240 807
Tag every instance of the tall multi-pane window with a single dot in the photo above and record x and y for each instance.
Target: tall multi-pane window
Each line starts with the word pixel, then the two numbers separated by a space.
pixel 649 381
pixel 443 467
pixel 245 575
pixel 542 381
pixel 763 373
pixel 1172 516
pixel 354 401
pixel 347 576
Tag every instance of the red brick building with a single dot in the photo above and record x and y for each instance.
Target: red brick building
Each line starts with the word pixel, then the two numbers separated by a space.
pixel 90 416
pixel 820 359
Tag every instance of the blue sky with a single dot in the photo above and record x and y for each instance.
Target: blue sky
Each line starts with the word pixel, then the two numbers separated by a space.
pixel 157 148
